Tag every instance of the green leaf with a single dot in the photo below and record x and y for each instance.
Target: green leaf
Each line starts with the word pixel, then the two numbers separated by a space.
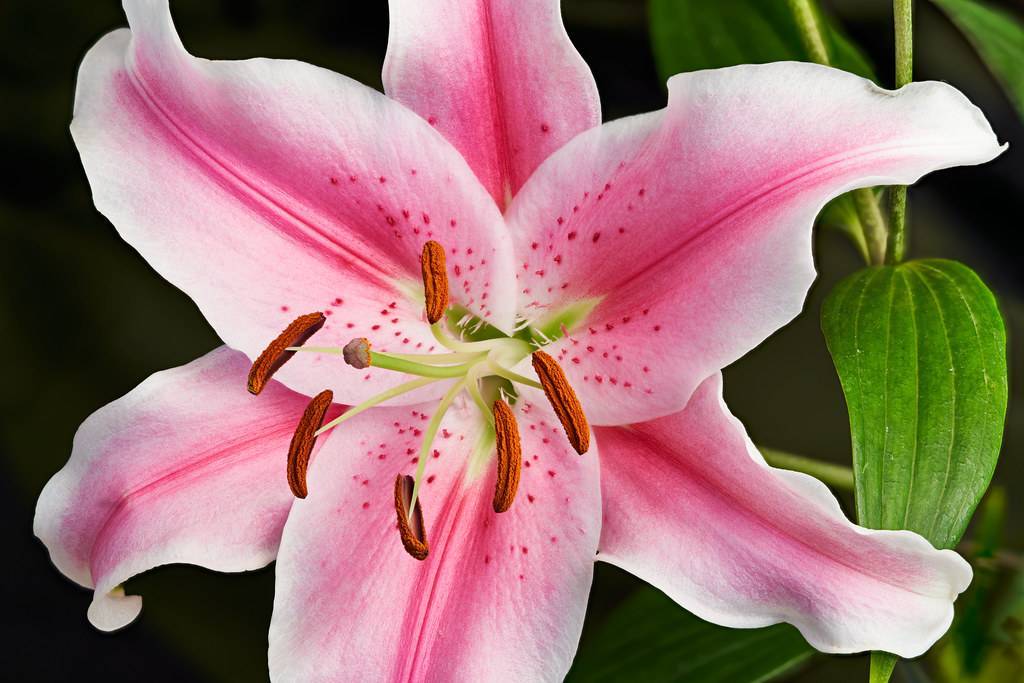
pixel 920 349
pixel 998 37
pixel 650 638
pixel 688 35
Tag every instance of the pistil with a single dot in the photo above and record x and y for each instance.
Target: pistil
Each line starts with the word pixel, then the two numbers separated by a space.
pixel 357 353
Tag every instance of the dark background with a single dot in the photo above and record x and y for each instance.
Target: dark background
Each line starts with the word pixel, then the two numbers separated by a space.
pixel 83 319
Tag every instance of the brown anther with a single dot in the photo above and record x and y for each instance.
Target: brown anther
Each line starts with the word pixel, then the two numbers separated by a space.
pixel 303 440
pixel 510 456
pixel 435 280
pixel 563 400
pixel 414 534
pixel 357 353
pixel 277 354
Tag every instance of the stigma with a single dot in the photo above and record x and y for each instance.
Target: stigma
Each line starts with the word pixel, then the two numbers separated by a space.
pixel 482 368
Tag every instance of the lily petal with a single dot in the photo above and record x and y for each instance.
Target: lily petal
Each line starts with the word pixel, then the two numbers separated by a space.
pixel 185 468
pixel 267 188
pixel 499 78
pixel 499 597
pixel 691 507
pixel 700 217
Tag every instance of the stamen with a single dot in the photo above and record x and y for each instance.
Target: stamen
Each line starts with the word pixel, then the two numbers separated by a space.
pixel 435 280
pixel 431 432
pixel 357 353
pixel 564 401
pixel 510 456
pixel 410 527
pixel 277 354
pixel 303 440
pixel 513 376
pixel 375 400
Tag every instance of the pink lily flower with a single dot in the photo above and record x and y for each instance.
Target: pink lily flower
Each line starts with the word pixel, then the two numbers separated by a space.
pixel 643 255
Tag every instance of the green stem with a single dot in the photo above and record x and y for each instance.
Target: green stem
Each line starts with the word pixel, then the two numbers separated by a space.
pixel 871 218
pixel 903 21
pixel 882 664
pixel 810 32
pixel 835 476
pixel 872 222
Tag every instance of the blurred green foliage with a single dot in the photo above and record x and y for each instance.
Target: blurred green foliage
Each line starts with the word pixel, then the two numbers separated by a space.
pixel 999 39
pixel 649 638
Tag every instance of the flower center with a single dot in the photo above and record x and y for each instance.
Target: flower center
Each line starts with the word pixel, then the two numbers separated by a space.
pixel 479 364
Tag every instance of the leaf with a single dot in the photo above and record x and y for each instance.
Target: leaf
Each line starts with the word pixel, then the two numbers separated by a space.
pixel 688 35
pixel 650 638
pixel 920 350
pixel 998 37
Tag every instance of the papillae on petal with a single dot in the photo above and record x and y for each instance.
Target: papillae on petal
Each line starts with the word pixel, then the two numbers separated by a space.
pixel 268 188
pixel 500 596
pixel 691 226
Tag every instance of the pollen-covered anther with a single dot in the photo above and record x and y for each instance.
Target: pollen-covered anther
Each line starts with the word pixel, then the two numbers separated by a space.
pixel 510 456
pixel 563 400
pixel 357 353
pixel 412 531
pixel 435 280
pixel 304 439
pixel 277 354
